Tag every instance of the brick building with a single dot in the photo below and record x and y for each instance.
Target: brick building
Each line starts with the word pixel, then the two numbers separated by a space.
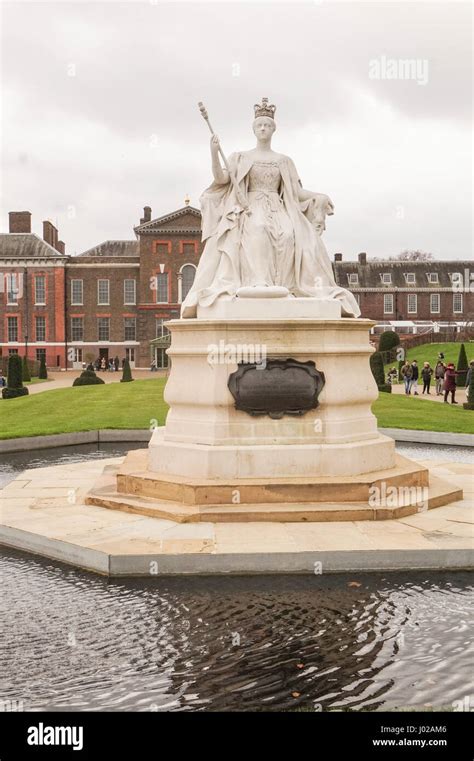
pixel 113 299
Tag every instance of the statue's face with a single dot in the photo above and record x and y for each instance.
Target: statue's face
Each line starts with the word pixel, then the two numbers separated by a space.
pixel 264 127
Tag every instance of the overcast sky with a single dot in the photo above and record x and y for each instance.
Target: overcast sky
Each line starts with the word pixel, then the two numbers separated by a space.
pixel 100 117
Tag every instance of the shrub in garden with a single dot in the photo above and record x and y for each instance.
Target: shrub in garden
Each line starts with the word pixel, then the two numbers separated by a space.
pixel 127 373
pixel 25 370
pixel 376 365
pixel 87 378
pixel 14 385
pixel 462 367
pixel 388 340
pixel 43 372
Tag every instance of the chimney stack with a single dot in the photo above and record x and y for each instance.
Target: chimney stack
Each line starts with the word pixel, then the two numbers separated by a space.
pixel 363 258
pixel 60 246
pixel 146 215
pixel 338 257
pixel 19 221
pixel 50 234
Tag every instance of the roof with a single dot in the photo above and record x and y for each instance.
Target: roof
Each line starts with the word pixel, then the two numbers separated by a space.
pixel 370 274
pixel 187 218
pixel 26 246
pixel 113 248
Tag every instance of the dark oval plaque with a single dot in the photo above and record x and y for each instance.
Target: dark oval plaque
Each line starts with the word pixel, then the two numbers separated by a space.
pixel 278 387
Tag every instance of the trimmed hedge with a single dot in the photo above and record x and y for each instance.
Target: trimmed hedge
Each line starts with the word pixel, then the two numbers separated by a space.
pixel 14 387
pixel 127 373
pixel 25 371
pixel 88 378
pixel 388 340
pixel 376 365
pixel 462 367
pixel 43 370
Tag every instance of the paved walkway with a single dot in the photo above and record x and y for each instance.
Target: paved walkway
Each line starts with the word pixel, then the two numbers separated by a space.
pixel 65 379
pixel 399 388
pixel 43 512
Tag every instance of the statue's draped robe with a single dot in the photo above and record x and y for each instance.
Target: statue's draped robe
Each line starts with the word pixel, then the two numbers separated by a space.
pixel 219 271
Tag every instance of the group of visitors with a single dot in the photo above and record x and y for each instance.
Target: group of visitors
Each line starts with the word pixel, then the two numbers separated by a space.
pixel 444 375
pixel 111 365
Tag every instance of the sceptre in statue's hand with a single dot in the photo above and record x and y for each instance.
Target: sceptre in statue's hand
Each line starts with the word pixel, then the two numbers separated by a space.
pixel 221 176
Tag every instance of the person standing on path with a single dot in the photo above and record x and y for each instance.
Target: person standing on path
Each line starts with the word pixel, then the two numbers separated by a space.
pixel 407 373
pixel 415 375
pixel 426 374
pixel 440 370
pixel 450 383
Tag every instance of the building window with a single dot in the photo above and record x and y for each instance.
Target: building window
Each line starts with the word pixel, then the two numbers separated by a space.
pixel 12 288
pixel 77 288
pixel 412 303
pixel 353 278
pixel 188 248
pixel 103 292
pixel 40 324
pixel 457 303
pixel 40 289
pixel 388 303
pixel 188 274
pixel 130 354
pixel 12 351
pixel 77 328
pixel 410 278
pixel 103 328
pixel 161 329
pixel 387 278
pixel 433 277
pixel 163 249
pixel 434 303
pixel 130 328
pixel 41 354
pixel 13 329
pixel 129 291
pixel 77 354
pixel 162 288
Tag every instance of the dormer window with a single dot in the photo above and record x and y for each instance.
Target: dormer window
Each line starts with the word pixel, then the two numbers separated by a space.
pixel 387 278
pixel 353 278
pixel 433 277
pixel 410 278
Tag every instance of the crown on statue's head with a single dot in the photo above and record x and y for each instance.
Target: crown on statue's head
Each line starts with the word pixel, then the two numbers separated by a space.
pixel 264 109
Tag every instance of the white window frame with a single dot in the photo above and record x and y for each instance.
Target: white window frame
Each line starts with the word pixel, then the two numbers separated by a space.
pixel 82 329
pixel 386 298
pixel 102 340
pixel 126 300
pixel 12 288
pixel 433 277
pixel 164 275
pixel 458 296
pixel 412 298
pixel 12 318
pixel 99 302
pixel 160 323
pixel 432 310
pixel 410 278
pixel 40 317
pixel 134 329
pixel 386 278
pixel 353 278
pixel 74 302
pixel 43 278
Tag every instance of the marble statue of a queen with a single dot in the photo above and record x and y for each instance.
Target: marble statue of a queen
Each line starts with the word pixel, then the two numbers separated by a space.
pixel 261 228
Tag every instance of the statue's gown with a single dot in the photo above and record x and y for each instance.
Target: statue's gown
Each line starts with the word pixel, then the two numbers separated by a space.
pixel 276 244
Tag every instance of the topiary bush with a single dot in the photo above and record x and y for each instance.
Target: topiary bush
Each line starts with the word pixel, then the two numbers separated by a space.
pixel 14 387
pixel 376 365
pixel 127 373
pixel 462 367
pixel 388 340
pixel 469 405
pixel 43 371
pixel 25 371
pixel 87 378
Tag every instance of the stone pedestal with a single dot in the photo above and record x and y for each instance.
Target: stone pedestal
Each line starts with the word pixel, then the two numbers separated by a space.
pixel 206 437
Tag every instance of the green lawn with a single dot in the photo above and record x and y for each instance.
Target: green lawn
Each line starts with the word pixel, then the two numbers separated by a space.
pixel 84 408
pixel 394 411
pixel 429 353
pixel 37 380
pixel 137 404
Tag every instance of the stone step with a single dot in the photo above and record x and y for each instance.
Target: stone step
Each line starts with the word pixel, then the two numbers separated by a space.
pixel 438 493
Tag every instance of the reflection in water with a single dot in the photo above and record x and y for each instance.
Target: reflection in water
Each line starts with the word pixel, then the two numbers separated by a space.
pixel 76 641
